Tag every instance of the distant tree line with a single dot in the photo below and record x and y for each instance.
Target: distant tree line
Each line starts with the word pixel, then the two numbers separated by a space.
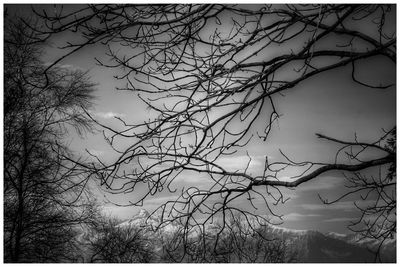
pixel 110 242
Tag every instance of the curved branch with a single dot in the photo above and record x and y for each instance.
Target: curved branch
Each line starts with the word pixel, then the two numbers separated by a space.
pixel 331 167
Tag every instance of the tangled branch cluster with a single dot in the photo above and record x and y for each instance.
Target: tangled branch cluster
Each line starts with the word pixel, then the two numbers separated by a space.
pixel 211 75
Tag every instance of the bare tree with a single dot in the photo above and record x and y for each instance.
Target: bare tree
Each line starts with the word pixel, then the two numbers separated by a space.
pixel 45 194
pixel 120 244
pixel 211 74
pixel 255 243
pixel 239 242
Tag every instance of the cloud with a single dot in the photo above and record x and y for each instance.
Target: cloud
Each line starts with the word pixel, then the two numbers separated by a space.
pixel 95 152
pixel 126 212
pixel 157 201
pixel 239 163
pixel 119 211
pixel 70 67
pixel 298 217
pixel 202 181
pixel 316 185
pixel 322 183
pixel 108 115
pixel 343 219
pixel 345 206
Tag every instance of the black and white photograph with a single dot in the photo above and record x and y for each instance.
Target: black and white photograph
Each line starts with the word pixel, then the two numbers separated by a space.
pixel 151 132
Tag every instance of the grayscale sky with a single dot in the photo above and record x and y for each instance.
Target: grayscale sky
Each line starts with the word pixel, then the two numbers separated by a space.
pixel 330 104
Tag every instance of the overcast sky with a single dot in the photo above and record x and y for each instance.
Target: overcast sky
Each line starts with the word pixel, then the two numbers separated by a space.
pixel 330 104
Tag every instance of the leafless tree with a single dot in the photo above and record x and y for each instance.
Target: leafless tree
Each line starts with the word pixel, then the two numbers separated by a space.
pixel 45 195
pixel 255 243
pixel 210 74
pixel 120 244
pixel 239 242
